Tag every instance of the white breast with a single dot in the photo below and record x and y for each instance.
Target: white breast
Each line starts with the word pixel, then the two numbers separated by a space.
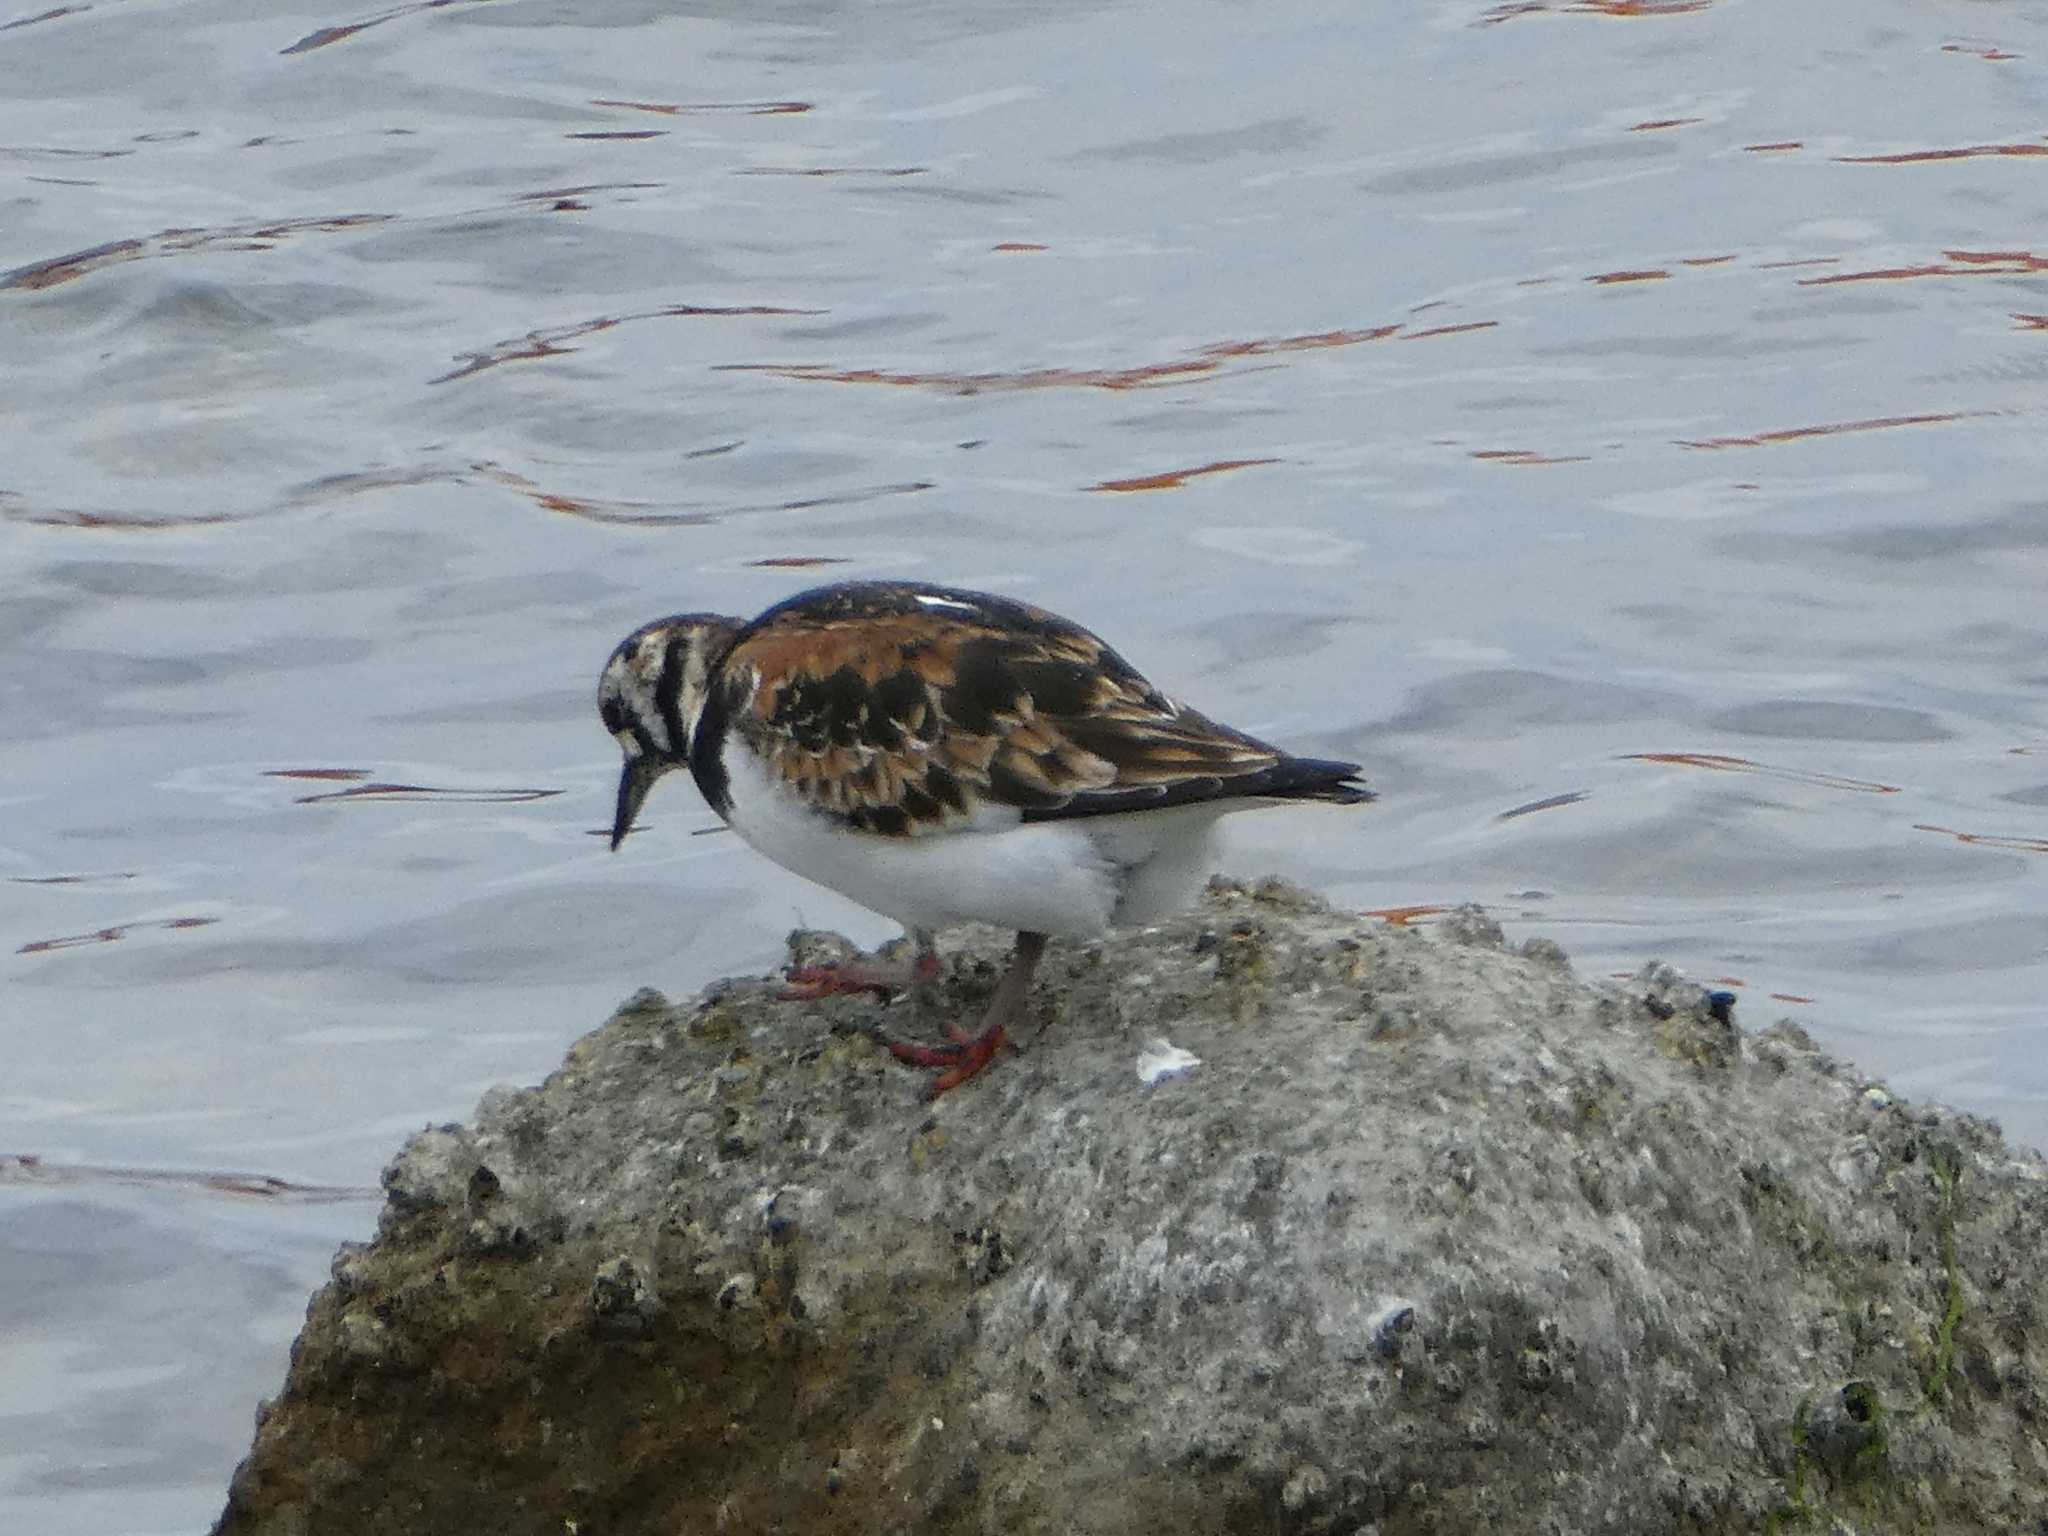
pixel 1072 879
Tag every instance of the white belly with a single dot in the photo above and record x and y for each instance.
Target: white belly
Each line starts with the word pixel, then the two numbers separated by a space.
pixel 1073 879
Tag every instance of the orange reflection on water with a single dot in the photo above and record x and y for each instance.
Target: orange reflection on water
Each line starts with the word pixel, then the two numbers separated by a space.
pixel 1018 245
pixel 831 170
pixel 1313 341
pixel 554 342
pixel 1831 429
pixel 1989 840
pixel 1401 917
pixel 1521 456
pixel 322 36
pixel 639 514
pixel 1958 264
pixel 1645 275
pixel 1144 377
pixel 110 934
pixel 1174 479
pixel 798 562
pixel 1637 7
pixel 16 508
pixel 1619 9
pixel 1206 362
pixel 1963 152
pixel 592 509
pixel 693 108
pixel 1995 55
pixel 1722 763
pixel 53 270
pixel 1447 330
pixel 1656 124
pixel 1776 148
pixel 28 1168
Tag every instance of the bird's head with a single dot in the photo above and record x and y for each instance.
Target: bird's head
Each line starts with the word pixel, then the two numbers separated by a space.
pixel 651 696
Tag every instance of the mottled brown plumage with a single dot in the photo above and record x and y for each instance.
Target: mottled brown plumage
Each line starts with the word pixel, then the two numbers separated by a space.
pixel 901 710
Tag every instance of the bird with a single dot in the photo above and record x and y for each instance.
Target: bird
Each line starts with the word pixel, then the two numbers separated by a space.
pixel 943 756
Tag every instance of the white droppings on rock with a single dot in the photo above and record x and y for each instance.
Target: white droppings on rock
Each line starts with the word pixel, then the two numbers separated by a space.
pixel 1162 1058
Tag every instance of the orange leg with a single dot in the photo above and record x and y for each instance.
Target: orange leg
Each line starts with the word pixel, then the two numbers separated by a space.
pixel 914 964
pixel 966 1054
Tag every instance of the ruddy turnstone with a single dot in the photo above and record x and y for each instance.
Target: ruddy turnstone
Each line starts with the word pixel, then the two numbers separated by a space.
pixel 941 757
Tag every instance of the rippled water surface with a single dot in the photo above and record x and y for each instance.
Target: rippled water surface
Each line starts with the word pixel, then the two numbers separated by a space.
pixel 1617 423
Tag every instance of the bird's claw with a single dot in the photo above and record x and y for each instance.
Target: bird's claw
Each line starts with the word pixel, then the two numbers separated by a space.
pixel 808 983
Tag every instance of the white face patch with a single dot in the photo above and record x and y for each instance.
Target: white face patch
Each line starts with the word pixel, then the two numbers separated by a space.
pixel 630 678
pixel 673 657
pixel 696 680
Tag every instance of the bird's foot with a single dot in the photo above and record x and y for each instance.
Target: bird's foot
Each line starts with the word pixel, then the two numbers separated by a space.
pixel 963 1055
pixel 891 969
pixel 966 1052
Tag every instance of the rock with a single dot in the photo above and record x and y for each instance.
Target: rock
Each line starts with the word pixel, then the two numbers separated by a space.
pixel 1436 1238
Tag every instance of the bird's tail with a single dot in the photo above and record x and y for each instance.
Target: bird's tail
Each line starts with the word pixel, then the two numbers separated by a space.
pixel 1315 778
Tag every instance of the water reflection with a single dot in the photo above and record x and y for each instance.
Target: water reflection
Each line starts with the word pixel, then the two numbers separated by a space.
pixel 369 374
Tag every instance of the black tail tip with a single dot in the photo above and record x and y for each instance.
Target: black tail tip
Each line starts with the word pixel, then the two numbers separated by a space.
pixel 1315 778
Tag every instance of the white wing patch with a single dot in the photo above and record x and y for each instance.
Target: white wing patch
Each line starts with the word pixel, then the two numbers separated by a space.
pixel 932 600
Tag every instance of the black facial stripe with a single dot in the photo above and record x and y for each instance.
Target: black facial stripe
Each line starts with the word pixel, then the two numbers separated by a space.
pixel 705 746
pixel 668 690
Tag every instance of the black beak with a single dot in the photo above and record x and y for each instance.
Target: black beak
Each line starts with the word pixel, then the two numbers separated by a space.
pixel 635 779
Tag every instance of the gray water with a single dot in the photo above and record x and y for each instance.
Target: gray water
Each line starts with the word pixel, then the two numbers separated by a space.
pixel 1621 425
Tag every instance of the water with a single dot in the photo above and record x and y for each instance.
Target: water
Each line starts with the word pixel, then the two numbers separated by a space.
pixel 1619 425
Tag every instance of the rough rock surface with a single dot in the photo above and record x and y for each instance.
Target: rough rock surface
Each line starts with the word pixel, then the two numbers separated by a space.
pixel 1436 1238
